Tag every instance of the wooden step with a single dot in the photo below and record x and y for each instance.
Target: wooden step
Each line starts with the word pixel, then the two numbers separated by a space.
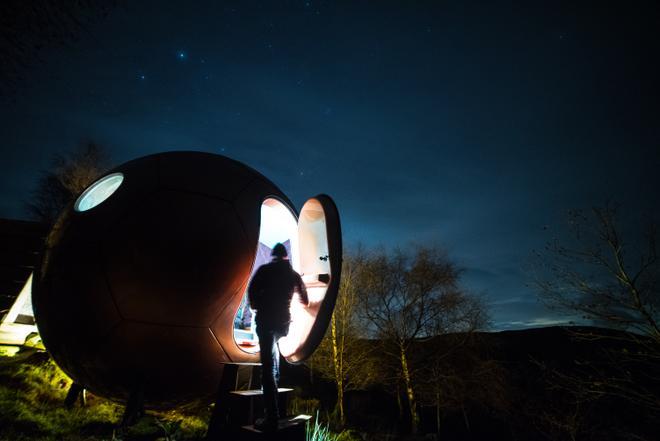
pixel 289 428
pixel 244 406
pixel 258 392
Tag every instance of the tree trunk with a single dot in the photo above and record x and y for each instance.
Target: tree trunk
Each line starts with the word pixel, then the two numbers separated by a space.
pixel 339 374
pixel 414 417
pixel 340 403
pixel 398 401
pixel 437 413
pixel 465 418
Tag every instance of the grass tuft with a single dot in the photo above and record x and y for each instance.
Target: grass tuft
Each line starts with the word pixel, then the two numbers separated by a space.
pixel 32 393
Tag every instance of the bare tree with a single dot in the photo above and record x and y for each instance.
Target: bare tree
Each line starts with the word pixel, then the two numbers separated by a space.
pixel 409 297
pixel 458 374
pixel 344 354
pixel 614 283
pixel 68 175
pixel 564 412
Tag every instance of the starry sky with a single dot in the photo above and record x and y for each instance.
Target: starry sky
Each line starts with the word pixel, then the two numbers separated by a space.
pixel 472 125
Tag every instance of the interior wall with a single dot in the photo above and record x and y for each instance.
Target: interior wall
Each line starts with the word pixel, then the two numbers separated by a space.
pixel 278 225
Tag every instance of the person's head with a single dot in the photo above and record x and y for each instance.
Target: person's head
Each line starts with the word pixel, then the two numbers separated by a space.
pixel 279 251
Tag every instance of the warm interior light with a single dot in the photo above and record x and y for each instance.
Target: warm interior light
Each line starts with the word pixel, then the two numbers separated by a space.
pixel 307 246
pixel 315 270
pixel 99 191
pixel 278 225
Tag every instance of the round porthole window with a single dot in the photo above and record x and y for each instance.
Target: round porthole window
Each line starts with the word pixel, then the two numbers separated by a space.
pixel 99 191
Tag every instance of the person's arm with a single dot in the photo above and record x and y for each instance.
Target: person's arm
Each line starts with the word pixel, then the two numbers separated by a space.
pixel 302 291
pixel 254 289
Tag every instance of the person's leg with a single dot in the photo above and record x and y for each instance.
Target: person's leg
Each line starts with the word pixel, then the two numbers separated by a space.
pixel 267 346
pixel 276 361
pixel 276 350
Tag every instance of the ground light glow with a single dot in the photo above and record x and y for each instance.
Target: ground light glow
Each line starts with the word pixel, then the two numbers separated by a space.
pixel 99 191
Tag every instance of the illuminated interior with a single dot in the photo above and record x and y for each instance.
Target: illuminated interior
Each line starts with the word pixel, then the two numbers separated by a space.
pixel 314 267
pixel 307 246
pixel 99 191
pixel 278 225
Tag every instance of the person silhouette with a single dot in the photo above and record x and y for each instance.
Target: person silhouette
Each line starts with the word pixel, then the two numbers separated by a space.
pixel 270 292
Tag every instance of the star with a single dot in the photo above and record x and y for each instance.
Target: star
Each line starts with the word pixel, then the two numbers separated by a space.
pixel 181 55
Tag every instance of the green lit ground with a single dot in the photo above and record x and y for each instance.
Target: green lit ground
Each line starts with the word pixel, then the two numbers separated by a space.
pixel 32 392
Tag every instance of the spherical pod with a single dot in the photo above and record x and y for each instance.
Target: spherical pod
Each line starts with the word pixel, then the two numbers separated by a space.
pixel 138 268
pixel 142 281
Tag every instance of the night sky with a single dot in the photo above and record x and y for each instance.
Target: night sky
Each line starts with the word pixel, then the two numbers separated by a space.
pixel 475 126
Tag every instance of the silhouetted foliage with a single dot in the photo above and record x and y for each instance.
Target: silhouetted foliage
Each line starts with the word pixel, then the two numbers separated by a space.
pixel 612 279
pixel 608 279
pixel 408 297
pixel 344 356
pixel 459 374
pixel 68 175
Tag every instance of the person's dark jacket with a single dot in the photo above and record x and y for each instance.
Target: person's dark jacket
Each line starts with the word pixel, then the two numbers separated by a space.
pixel 270 292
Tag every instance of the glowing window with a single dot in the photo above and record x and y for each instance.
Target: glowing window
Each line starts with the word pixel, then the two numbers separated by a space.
pixel 99 191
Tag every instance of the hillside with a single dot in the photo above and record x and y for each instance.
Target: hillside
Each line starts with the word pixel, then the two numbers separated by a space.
pixel 514 385
pixel 520 397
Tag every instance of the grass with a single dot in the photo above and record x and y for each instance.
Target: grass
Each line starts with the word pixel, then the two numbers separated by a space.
pixel 32 392
pixel 9 351
pixel 298 405
pixel 319 431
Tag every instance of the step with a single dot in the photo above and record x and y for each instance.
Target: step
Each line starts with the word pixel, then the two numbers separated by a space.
pixel 244 406
pixel 247 363
pixel 258 392
pixel 289 428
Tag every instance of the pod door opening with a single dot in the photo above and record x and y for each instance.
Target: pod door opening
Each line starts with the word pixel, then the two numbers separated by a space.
pixel 313 262
pixel 278 225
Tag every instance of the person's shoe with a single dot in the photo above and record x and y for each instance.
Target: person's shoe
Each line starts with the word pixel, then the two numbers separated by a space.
pixel 266 425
